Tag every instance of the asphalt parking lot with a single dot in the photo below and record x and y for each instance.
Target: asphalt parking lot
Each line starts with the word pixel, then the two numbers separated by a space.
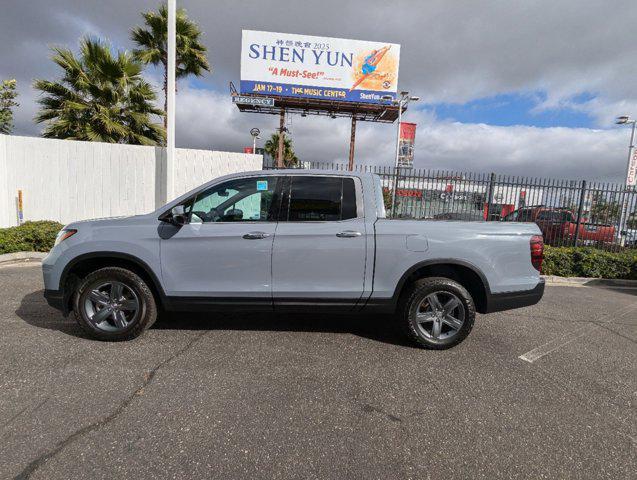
pixel 238 397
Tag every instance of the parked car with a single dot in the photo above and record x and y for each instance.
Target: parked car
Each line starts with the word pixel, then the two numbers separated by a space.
pixel 291 240
pixel 558 225
pixel 630 237
pixel 460 216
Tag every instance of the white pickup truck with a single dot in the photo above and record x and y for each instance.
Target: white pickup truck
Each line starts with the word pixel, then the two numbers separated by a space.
pixel 292 239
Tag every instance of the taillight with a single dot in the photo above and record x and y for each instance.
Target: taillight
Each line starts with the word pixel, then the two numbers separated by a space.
pixel 537 251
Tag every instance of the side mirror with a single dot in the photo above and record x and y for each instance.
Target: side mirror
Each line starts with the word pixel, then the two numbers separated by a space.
pixel 178 215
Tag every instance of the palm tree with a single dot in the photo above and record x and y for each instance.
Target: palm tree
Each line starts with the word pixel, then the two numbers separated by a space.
pixel 271 147
pixel 8 95
pixel 152 42
pixel 100 98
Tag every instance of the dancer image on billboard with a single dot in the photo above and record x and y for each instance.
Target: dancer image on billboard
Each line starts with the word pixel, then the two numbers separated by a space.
pixel 369 65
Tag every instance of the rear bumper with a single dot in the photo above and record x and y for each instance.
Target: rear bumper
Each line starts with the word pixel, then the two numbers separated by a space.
pixel 497 302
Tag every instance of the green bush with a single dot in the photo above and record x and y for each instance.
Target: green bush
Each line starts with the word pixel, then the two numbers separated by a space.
pixel 589 262
pixel 29 237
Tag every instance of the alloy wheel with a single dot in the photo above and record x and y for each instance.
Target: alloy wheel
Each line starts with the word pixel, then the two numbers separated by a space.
pixel 112 306
pixel 440 315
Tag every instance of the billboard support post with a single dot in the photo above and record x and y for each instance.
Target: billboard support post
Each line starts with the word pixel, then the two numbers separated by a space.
pixel 352 143
pixel 279 157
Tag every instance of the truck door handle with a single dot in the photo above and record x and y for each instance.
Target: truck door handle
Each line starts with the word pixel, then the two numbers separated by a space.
pixel 348 234
pixel 256 235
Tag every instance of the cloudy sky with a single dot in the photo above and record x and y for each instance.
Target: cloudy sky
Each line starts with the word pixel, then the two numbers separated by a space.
pixel 520 87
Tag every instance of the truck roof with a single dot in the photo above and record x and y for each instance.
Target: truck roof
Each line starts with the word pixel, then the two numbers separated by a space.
pixel 302 171
pixel 263 173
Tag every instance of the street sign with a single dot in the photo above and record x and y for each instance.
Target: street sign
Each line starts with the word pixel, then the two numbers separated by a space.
pixel 631 174
pixel 406 145
pixel 260 101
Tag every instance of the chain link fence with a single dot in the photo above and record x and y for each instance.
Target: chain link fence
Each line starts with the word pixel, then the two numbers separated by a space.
pixel 569 212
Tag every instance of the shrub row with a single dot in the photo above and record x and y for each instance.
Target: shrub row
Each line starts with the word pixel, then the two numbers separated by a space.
pixel 29 237
pixel 589 262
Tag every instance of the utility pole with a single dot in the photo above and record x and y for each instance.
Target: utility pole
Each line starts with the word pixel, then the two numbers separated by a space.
pixel 631 173
pixel 396 161
pixel 279 159
pixel 402 102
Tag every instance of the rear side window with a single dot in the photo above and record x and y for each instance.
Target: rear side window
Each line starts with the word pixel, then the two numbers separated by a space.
pixel 380 200
pixel 321 199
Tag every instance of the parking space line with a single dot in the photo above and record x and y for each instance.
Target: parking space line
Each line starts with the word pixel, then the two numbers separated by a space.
pixel 539 352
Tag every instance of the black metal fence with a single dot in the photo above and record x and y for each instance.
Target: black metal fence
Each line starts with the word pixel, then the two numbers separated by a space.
pixel 569 212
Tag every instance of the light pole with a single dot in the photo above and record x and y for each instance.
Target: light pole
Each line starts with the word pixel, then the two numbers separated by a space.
pixel 255 136
pixel 631 170
pixel 402 102
pixel 170 99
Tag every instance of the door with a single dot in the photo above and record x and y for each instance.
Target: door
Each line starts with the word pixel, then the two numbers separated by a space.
pixel 225 251
pixel 320 245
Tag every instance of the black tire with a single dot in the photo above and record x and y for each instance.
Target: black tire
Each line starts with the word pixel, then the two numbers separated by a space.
pixel 144 316
pixel 412 300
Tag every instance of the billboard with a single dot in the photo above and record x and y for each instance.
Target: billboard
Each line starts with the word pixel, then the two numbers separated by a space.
pixel 318 67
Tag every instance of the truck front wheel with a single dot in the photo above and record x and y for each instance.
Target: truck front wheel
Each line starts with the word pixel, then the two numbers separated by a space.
pixel 114 304
pixel 437 313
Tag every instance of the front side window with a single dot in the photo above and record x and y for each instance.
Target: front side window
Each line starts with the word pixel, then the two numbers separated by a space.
pixel 240 200
pixel 321 199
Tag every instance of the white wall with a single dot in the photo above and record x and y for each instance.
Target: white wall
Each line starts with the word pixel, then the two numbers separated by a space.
pixel 67 180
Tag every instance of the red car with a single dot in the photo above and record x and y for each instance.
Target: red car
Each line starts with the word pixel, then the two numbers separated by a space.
pixel 559 225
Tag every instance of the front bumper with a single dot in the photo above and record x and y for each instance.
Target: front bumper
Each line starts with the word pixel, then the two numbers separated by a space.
pixel 57 300
pixel 497 302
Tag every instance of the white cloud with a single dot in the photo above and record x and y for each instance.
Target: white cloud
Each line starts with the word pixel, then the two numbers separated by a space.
pixel 451 52
pixel 210 120
pixel 520 150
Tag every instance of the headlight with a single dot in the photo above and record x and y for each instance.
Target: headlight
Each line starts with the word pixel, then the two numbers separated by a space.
pixel 64 234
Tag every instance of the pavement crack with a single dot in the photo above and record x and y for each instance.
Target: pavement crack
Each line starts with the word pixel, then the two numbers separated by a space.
pixel 367 408
pixel 35 409
pixel 34 465
pixel 605 327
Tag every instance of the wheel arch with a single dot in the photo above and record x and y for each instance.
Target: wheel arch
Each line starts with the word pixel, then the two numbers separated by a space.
pixel 84 264
pixel 465 273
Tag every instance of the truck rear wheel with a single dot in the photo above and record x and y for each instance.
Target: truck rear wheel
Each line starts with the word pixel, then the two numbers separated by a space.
pixel 114 304
pixel 437 313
